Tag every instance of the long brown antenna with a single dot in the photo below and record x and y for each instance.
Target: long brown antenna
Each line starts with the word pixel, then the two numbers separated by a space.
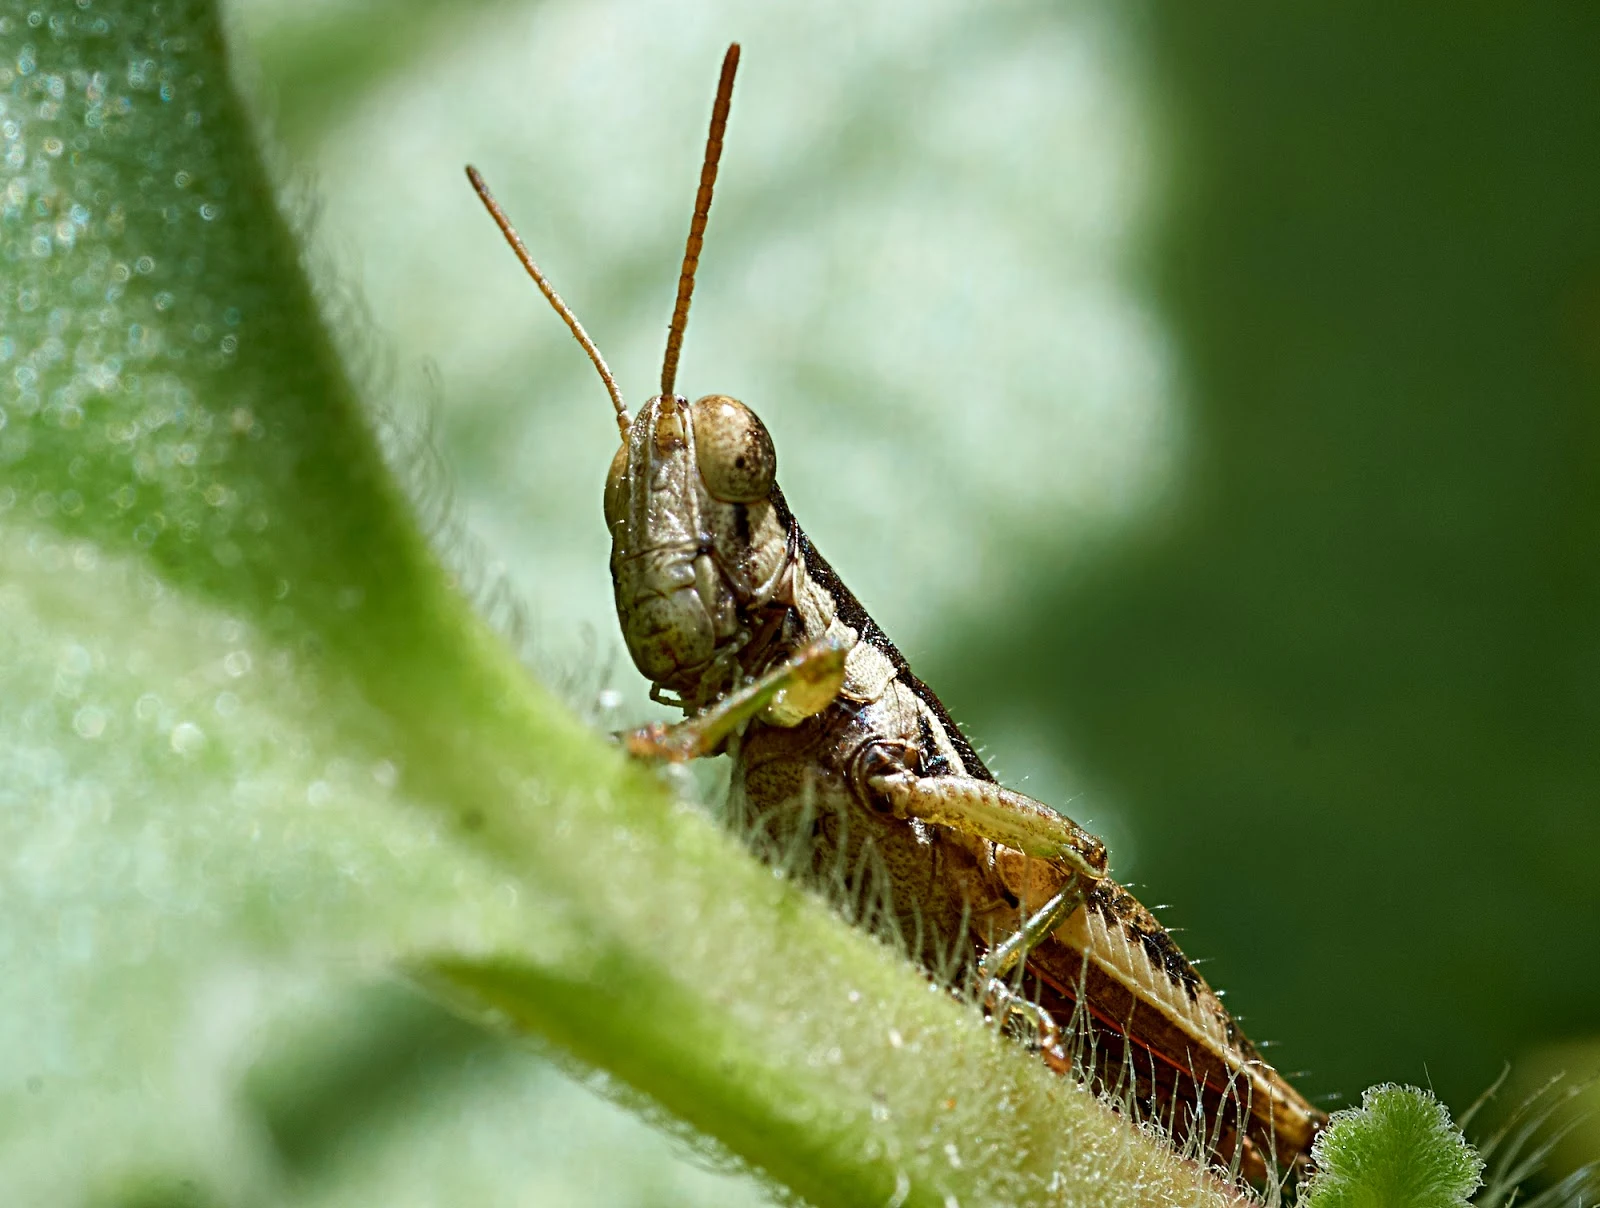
pixel 545 288
pixel 697 225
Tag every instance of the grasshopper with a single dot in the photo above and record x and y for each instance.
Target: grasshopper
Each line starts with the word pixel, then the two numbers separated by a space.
pixel 839 750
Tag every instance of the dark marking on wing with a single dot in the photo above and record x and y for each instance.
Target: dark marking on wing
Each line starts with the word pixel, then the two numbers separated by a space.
pixel 934 761
pixel 854 615
pixel 1240 1041
pixel 1139 925
pixel 741 523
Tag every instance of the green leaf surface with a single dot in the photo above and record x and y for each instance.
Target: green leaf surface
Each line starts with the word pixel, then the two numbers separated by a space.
pixel 1399 1149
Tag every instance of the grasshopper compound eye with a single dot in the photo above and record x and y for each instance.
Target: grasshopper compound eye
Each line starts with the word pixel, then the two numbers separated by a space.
pixel 732 449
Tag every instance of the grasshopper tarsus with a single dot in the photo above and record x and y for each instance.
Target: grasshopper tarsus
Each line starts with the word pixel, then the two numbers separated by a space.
pixel 657 742
pixel 1003 1005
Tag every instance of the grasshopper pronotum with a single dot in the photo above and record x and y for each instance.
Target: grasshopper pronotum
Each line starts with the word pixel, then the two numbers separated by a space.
pixel 840 750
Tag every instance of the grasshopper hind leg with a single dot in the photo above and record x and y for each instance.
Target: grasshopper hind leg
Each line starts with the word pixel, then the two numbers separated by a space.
pixel 1001 1002
pixel 979 808
pixel 985 810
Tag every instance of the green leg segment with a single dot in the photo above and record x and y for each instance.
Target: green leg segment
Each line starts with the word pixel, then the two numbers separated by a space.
pixel 792 691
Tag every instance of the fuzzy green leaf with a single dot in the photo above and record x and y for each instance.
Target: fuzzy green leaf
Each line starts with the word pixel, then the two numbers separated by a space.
pixel 1399 1149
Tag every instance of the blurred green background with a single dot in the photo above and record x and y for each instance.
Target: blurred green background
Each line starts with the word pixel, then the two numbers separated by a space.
pixel 1206 398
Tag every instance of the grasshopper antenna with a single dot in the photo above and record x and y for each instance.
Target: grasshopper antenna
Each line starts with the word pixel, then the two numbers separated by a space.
pixel 548 290
pixel 697 225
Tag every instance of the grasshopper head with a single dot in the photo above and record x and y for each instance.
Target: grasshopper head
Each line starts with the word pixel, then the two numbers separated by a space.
pixel 696 545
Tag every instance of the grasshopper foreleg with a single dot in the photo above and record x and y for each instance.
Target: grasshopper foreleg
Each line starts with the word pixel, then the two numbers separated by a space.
pixel 797 688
